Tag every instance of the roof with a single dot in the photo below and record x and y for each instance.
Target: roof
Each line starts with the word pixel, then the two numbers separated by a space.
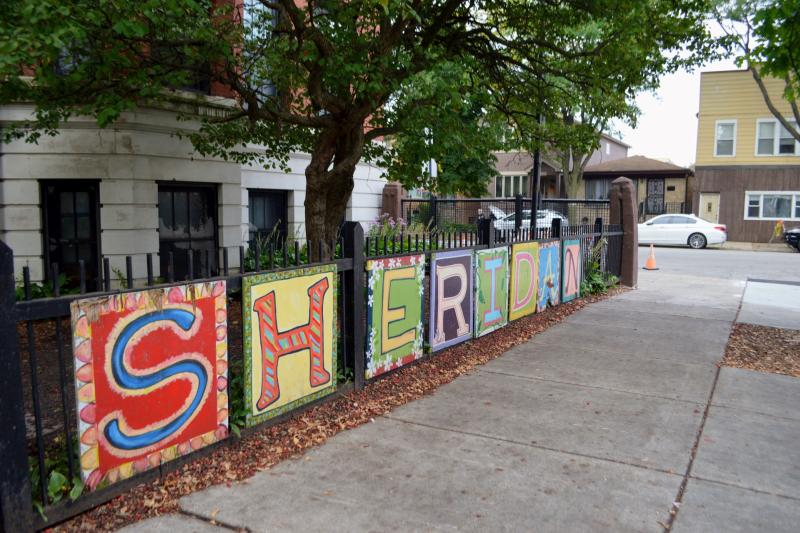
pixel 636 164
pixel 516 163
pixel 726 71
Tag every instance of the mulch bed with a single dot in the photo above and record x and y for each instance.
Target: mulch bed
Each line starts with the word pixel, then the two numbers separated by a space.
pixel 764 349
pixel 264 448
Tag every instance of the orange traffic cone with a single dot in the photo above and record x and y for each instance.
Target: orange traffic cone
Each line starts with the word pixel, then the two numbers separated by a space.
pixel 651 260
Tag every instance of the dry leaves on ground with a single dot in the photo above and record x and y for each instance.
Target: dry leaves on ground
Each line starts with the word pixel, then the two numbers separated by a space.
pixel 764 349
pixel 264 448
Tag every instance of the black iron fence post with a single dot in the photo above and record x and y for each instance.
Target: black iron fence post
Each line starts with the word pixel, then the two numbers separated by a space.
pixel 434 213
pixel 15 490
pixel 517 213
pixel 354 300
pixel 484 233
pixel 555 228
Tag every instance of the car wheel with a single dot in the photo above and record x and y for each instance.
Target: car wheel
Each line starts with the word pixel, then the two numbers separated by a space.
pixel 697 240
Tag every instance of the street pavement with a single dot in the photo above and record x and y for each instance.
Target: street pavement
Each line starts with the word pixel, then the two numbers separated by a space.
pixel 591 425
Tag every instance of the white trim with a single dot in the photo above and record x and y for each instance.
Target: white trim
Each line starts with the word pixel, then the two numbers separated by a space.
pixel 735 123
pixel 776 141
pixel 794 202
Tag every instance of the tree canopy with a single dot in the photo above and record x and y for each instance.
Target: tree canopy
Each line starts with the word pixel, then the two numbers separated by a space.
pixel 764 37
pixel 439 78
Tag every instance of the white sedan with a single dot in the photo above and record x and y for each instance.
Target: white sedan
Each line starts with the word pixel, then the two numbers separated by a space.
pixel 682 230
pixel 544 218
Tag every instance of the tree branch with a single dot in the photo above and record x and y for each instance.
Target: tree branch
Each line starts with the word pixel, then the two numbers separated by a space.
pixel 795 131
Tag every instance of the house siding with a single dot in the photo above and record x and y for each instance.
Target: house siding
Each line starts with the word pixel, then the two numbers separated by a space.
pixel 732 183
pixel 735 96
pixel 616 151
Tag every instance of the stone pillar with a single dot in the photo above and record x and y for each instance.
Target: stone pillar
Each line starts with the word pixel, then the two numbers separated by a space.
pixel 392 194
pixel 624 211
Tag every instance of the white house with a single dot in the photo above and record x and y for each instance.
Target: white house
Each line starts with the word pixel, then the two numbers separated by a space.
pixel 136 188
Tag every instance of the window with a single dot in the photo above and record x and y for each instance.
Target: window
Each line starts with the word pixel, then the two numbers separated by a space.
pixel 786 142
pixel 257 20
pixel 773 139
pixel 662 220
pixel 766 138
pixel 753 206
pixel 598 189
pixel 267 215
pixel 508 186
pixel 71 231
pixel 187 224
pixel 772 205
pixel 725 138
pixel 683 220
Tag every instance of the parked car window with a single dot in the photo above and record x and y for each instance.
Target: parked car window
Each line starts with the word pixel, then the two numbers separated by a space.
pixel 683 220
pixel 661 220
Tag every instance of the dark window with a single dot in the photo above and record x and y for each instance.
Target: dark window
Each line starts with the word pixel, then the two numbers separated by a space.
pixel 258 21
pixel 670 187
pixel 71 232
pixel 187 222
pixel 683 220
pixel 598 189
pixel 267 215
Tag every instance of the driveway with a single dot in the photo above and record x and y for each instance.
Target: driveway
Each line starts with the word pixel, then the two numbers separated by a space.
pixel 591 425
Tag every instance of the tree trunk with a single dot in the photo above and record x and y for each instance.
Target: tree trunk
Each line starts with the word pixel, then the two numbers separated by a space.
pixel 329 184
pixel 574 183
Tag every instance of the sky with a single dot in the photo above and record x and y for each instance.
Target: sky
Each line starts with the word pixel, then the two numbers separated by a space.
pixel 667 125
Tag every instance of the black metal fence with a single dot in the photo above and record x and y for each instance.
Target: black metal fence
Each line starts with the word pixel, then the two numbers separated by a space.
pixel 37 366
pixel 463 214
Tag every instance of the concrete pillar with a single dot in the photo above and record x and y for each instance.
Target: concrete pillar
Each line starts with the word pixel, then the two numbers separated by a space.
pixel 624 211
pixel 392 194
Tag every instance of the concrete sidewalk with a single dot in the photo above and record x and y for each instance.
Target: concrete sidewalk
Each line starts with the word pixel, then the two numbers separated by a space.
pixel 589 426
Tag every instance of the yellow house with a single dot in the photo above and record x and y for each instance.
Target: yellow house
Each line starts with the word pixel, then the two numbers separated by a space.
pixel 747 165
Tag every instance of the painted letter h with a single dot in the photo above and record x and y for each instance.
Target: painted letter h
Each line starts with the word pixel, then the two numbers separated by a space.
pixel 275 344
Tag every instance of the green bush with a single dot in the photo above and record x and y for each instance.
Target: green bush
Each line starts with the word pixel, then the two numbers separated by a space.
pixel 45 290
pixel 595 281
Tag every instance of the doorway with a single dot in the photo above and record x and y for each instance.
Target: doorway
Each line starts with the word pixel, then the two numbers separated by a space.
pixel 709 207
pixel 187 224
pixel 655 196
pixel 71 230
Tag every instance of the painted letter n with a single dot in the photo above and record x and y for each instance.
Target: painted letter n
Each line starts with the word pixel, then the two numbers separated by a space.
pixel 275 344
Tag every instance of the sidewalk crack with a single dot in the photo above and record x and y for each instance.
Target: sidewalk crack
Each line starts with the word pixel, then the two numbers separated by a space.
pixel 212 521
pixel 529 445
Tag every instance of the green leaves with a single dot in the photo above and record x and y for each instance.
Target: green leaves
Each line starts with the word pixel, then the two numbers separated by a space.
pixel 449 81
pixel 778 42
